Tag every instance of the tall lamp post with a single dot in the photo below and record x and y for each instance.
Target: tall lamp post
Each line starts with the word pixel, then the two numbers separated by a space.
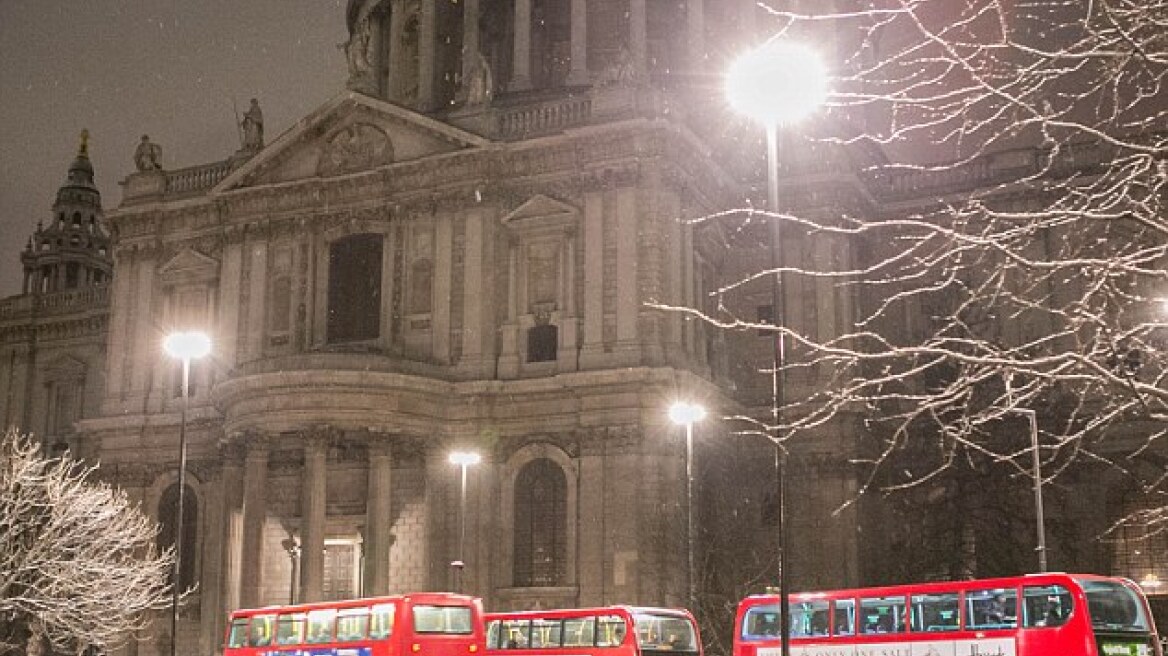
pixel 688 414
pixel 777 84
pixel 463 459
pixel 185 346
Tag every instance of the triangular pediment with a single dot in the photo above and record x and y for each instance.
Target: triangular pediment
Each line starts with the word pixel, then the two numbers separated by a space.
pixel 188 265
pixel 65 367
pixel 351 133
pixel 540 211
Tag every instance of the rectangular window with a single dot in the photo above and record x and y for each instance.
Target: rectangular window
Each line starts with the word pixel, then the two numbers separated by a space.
pixel 580 632
pixel 809 618
pixel 1046 605
pixel 995 608
pixel 320 625
pixel 545 633
pixel 354 289
pixel 516 634
pixel 844 617
pixel 442 619
pixel 352 624
pixel 290 629
pixel 238 635
pixel 610 630
pixel 340 569
pixel 936 612
pixel 882 615
pixel 381 624
pixel 263 630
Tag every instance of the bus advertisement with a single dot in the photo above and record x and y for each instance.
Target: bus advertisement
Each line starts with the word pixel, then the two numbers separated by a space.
pixel 1033 615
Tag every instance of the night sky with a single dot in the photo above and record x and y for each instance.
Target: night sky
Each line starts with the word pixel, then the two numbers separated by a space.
pixel 167 68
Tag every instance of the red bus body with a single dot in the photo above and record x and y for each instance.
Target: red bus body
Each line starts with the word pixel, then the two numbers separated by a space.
pixel 420 624
pixel 607 631
pixel 1034 615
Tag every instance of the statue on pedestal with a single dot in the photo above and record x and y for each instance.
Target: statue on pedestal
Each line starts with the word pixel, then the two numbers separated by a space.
pixel 147 155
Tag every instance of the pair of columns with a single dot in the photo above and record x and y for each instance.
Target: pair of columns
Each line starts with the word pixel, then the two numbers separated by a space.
pixel 578 71
pixel 313 518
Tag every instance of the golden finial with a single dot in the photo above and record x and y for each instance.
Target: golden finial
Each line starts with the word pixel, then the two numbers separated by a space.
pixel 83 151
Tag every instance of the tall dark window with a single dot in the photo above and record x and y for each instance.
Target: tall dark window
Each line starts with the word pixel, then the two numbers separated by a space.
pixel 542 343
pixel 541 520
pixel 168 518
pixel 551 43
pixel 354 288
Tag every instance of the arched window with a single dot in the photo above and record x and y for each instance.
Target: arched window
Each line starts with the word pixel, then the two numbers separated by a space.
pixel 354 288
pixel 168 518
pixel 541 544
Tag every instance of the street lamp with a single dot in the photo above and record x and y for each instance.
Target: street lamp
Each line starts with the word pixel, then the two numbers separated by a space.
pixel 463 459
pixel 1039 518
pixel 687 414
pixel 778 83
pixel 185 346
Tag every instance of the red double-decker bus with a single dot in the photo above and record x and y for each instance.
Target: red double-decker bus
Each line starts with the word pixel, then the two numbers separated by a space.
pixel 1034 615
pixel 607 631
pixel 421 624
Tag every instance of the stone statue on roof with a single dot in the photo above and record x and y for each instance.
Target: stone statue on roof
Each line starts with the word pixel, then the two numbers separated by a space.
pixel 148 156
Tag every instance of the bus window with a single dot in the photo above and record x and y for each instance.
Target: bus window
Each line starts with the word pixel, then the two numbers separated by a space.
pixel 844 616
pixel 545 633
pixel 320 625
pixel 1114 607
pixel 352 624
pixel 381 621
pixel 610 631
pixel 664 632
pixel 935 612
pixel 1045 605
pixel 761 622
pixel 238 635
pixel 579 632
pixel 808 618
pixel 261 631
pixel 290 629
pixel 882 614
pixel 517 634
pixel 991 609
pixel 442 619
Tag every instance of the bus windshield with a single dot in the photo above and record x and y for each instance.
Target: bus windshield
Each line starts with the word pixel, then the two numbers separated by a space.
pixel 664 632
pixel 1114 607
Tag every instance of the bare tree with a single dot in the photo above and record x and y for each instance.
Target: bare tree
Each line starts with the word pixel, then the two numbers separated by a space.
pixel 78 563
pixel 1008 251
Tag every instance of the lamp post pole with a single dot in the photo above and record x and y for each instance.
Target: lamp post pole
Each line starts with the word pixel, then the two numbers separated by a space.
pixel 777 83
pixel 687 414
pixel 463 459
pixel 184 346
pixel 1039 515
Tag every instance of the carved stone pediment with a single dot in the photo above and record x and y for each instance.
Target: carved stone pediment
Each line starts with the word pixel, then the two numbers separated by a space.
pixel 542 214
pixel 65 367
pixel 188 267
pixel 352 133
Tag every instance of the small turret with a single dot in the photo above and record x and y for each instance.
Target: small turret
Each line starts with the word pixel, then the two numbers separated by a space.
pixel 73 252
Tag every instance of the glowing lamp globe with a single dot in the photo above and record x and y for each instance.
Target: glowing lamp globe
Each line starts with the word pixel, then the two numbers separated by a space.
pixel 189 345
pixel 779 82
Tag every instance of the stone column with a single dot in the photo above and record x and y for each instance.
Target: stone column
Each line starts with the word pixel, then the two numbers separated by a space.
pixel 211 574
pixel 312 516
pixel 232 456
pixel 426 38
pixel 578 73
pixel 470 43
pixel 695 27
pixel 378 515
pixel 255 483
pixel 638 39
pixel 521 59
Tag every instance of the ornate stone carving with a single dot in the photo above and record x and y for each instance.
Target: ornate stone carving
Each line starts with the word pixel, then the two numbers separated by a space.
pixel 356 147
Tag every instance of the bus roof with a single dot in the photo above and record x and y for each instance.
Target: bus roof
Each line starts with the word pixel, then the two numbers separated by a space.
pixel 935 586
pixel 413 597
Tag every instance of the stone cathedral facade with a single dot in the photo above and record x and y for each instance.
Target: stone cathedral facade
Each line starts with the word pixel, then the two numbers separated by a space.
pixel 463 250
